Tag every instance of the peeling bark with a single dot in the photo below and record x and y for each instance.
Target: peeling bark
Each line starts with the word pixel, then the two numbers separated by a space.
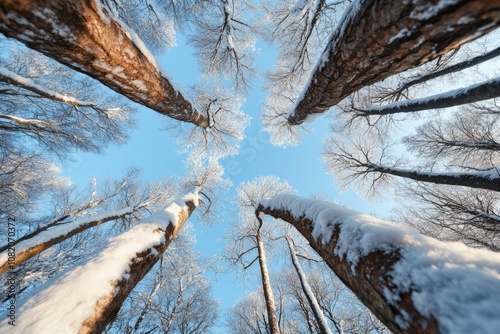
pixel 380 38
pixel 83 36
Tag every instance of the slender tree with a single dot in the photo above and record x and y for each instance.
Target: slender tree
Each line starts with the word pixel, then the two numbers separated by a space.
pixel 250 236
pixel 405 85
pixel 311 298
pixel 476 93
pixel 357 160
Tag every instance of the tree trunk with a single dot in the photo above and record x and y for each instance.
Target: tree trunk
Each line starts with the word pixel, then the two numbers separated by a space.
pixel 489 179
pixel 484 91
pixel 266 284
pixel 324 328
pixel 448 70
pixel 28 84
pixel 83 36
pixel 95 290
pixel 147 306
pixel 53 223
pixel 380 38
pixel 404 278
pixel 46 238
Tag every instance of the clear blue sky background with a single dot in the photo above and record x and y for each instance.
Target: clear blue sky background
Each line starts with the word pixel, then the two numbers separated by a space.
pixel 155 151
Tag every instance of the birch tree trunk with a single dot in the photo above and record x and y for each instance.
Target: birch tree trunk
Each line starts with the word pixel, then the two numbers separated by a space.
pixel 380 38
pixel 83 36
pixel 404 278
pixel 311 298
pixel 266 284
pixel 95 290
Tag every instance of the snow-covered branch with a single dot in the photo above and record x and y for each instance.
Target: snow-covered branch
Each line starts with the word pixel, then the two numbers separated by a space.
pixel 306 288
pixel 395 94
pixel 51 236
pixel 475 93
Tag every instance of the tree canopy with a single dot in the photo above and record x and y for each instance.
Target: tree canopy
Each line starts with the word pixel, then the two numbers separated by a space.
pixel 120 120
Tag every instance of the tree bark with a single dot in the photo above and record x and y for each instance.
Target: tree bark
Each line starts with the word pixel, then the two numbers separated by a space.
pixel 484 91
pixel 51 236
pixel 390 261
pixel 83 36
pixel 311 298
pixel 479 180
pixel 380 38
pixel 157 231
pixel 266 284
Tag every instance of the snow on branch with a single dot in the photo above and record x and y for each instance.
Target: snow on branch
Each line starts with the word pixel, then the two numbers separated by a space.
pixel 475 93
pixel 411 282
pixel 366 160
pixel 222 108
pixel 396 94
pixel 31 247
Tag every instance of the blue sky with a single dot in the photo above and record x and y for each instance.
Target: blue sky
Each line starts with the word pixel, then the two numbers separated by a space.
pixel 155 151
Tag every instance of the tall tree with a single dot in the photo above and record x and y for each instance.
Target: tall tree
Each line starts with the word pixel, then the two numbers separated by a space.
pixel 250 236
pixel 84 36
pixel 368 47
pixel 476 93
pixel 175 297
pixel 400 275
pixel 122 260
pixel 71 222
pixel 343 311
pixel 106 277
pixel 358 159
pixel 306 288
